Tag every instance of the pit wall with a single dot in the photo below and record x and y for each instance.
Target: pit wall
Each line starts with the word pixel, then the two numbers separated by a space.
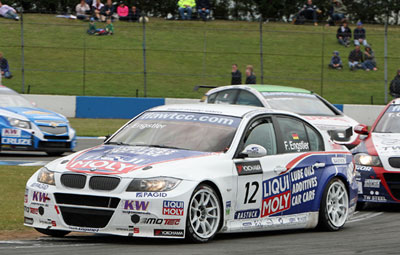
pixel 128 107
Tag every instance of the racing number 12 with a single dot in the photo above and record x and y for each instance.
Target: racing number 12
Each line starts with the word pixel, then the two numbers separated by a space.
pixel 251 200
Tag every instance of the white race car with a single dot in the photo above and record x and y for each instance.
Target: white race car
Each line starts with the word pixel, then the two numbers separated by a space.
pixel 196 170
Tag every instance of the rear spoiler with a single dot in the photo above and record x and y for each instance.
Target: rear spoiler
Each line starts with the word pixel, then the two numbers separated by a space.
pixel 196 88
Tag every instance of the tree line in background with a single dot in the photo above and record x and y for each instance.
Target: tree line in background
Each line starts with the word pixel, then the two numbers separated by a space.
pixel 368 11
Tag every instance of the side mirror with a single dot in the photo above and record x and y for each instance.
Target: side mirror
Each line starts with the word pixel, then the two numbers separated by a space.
pixel 254 151
pixel 361 129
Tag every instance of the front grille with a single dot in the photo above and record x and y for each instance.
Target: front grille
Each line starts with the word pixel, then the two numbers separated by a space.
pixel 60 145
pixel 76 181
pixel 103 183
pixel 92 218
pixel 54 130
pixel 394 162
pixel 393 181
pixel 86 200
pixel 64 137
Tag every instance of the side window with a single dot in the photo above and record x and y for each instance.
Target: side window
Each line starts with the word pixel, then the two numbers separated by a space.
pixel 226 96
pixel 316 143
pixel 294 135
pixel 262 132
pixel 247 98
pixel 211 98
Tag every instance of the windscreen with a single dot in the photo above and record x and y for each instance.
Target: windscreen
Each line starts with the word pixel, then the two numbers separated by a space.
pixel 180 130
pixel 302 104
pixel 390 121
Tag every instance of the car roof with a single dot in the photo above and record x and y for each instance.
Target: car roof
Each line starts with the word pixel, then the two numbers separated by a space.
pixel 262 88
pixel 222 109
pixel 395 101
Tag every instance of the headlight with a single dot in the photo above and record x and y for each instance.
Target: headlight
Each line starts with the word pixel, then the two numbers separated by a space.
pixel 46 176
pixel 153 184
pixel 19 123
pixel 367 160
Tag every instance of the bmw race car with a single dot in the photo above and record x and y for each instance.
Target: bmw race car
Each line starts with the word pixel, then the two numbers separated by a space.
pixel 304 102
pixel 24 127
pixel 193 171
pixel 377 157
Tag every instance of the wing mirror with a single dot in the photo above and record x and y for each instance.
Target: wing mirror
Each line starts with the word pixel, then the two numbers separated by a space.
pixel 254 151
pixel 361 129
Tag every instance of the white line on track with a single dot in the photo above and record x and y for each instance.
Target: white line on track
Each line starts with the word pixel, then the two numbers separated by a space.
pixel 30 245
pixel 363 216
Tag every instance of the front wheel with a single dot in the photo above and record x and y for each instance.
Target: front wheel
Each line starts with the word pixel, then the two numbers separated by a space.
pixel 204 215
pixel 51 232
pixel 334 206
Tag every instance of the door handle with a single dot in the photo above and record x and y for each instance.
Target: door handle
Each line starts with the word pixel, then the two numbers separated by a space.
pixel 319 165
pixel 279 169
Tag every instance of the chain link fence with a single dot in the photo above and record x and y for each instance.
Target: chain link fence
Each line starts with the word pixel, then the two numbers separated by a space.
pixel 50 55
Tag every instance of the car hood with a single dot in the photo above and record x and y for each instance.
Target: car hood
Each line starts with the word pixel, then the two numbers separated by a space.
pixel 387 145
pixel 34 114
pixel 122 160
pixel 331 122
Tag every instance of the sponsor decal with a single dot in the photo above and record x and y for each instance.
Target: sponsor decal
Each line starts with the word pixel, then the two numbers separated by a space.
pixel 372 183
pixel 156 221
pixel 296 146
pixel 26 196
pixel 295 136
pixel 85 229
pixel 288 190
pixel 173 208
pixel 108 159
pixel 247 214
pixel 375 198
pixel 134 205
pixel 40 196
pixel 276 195
pixel 15 141
pixel 128 229
pixel 148 125
pixel 136 230
pixel 363 168
pixel 26 209
pixel 10 132
pixel 338 160
pixel 169 232
pixel 28 220
pixel 36 112
pixel 228 207
pixel 38 185
pixel 151 194
pixel 57 210
pixel 247 168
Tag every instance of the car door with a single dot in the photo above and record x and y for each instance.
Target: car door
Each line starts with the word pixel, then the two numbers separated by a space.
pixel 265 184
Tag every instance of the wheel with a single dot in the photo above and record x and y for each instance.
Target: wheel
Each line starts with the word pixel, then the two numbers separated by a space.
pixel 204 215
pixel 55 153
pixel 334 206
pixel 51 232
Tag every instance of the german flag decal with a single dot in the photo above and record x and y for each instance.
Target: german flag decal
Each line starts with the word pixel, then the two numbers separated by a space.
pixel 295 136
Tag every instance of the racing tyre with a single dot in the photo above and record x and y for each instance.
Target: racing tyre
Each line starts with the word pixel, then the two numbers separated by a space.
pixel 334 206
pixel 204 215
pixel 54 153
pixel 51 232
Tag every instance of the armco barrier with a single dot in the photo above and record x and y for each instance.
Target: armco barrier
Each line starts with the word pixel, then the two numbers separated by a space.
pixel 113 107
pixel 125 107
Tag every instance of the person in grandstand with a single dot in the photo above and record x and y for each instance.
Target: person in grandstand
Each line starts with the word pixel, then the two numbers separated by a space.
pixel 236 75
pixel 96 8
pixel 186 6
pixel 369 60
pixel 134 14
pixel 8 12
pixel 203 8
pixel 336 61
pixel 107 11
pixel 4 68
pixel 395 85
pixel 356 58
pixel 343 34
pixel 309 11
pixel 108 30
pixel 123 11
pixel 360 35
pixel 82 10
pixel 250 76
pixel 338 12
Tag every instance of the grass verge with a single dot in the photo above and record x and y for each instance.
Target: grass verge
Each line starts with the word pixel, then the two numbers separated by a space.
pixel 96 127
